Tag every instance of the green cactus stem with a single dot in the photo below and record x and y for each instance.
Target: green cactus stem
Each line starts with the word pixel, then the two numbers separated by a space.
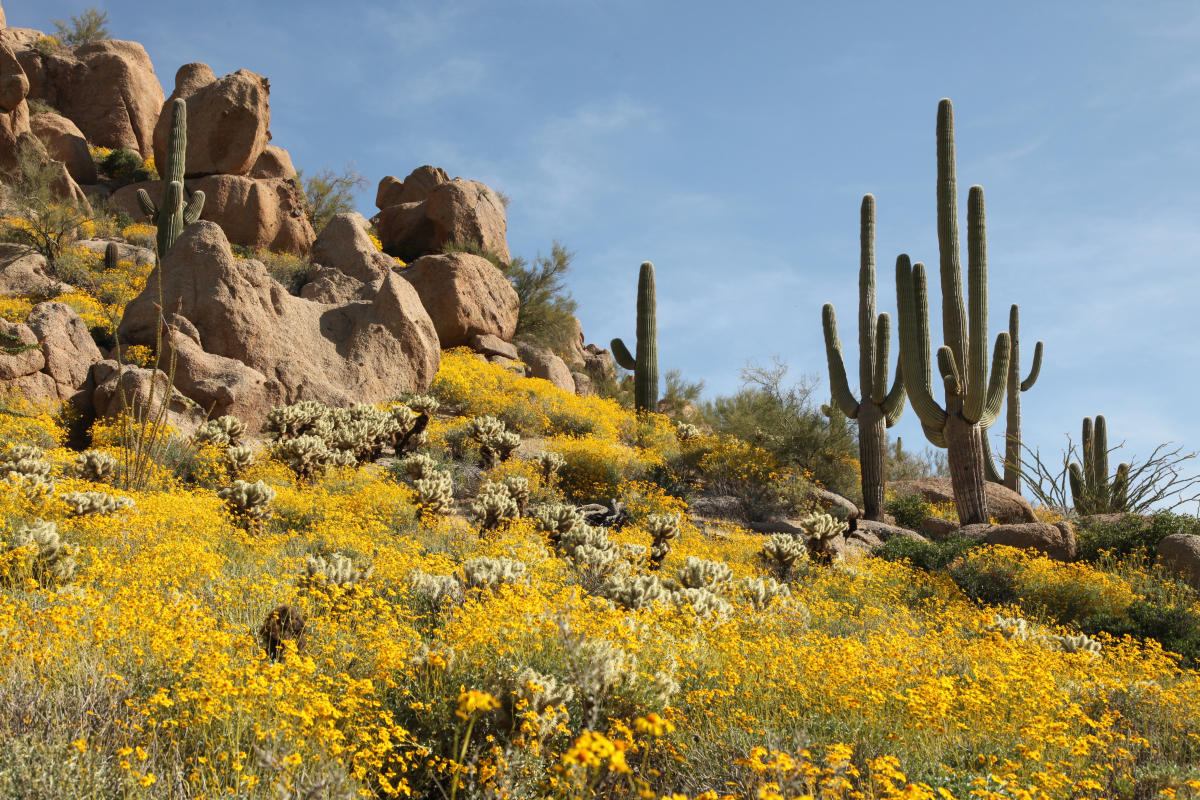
pixel 1092 492
pixel 972 399
pixel 111 254
pixel 879 408
pixel 1012 434
pixel 174 211
pixel 645 366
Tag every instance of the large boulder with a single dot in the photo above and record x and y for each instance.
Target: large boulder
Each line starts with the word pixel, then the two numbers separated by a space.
pixel 63 186
pixel 465 296
pixel 143 391
pixel 359 351
pixel 265 213
pixel 420 214
pixel 345 245
pixel 14 111
pixel 68 348
pixel 273 163
pixel 65 142
pixel 1056 541
pixel 108 89
pixel 1004 505
pixel 229 121
pixel 20 354
pixel 541 362
pixel 1180 553
pixel 25 273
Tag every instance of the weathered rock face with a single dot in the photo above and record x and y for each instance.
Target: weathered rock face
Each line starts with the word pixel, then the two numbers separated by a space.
pixel 64 186
pixel 69 351
pixel 229 121
pixel 108 89
pixel 465 296
pixel 273 163
pixel 1180 553
pixel 937 528
pixel 1056 541
pixel 598 364
pixel 359 351
pixel 419 215
pixel 1004 505
pixel 14 111
pixel 345 246
pixel 66 143
pixel 25 273
pixel 540 362
pixel 576 356
pixel 263 213
pixel 19 351
pixel 143 391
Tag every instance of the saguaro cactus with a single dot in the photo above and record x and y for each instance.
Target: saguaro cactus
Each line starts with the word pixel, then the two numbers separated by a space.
pixel 645 366
pixel 1012 433
pixel 879 408
pixel 972 400
pixel 1091 490
pixel 173 212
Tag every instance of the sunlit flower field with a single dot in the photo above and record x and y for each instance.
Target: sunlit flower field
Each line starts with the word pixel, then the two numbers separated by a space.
pixel 152 671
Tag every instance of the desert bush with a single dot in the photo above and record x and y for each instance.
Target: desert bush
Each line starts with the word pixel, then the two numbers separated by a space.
pixel 327 194
pixel 126 166
pixel 547 310
pixel 90 26
pixel 37 219
pixel 909 508
pixel 1132 535
pixel 928 556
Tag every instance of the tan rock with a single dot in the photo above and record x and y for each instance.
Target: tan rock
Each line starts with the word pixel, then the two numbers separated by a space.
pixel 108 89
pixel 937 528
pixel 66 143
pixel 583 384
pixel 540 362
pixel 345 246
pixel 20 354
pixel 1004 505
pixel 360 351
pixel 490 345
pixel 14 111
pixel 420 214
pixel 68 348
pixel 599 364
pixel 1056 541
pixel 144 391
pixel 885 531
pixel 837 506
pixel 25 273
pixel 465 296
pixel 416 187
pixel 1179 553
pixel 273 163
pixel 217 384
pixel 575 356
pixel 229 121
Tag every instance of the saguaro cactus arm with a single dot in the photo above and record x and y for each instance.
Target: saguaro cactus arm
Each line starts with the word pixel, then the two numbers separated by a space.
pixel 1034 369
pixel 913 305
pixel 838 384
pixel 622 355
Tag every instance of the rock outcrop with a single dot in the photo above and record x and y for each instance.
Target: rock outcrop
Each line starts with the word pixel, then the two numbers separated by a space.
pixel 108 89
pixel 465 296
pixel 1004 505
pixel 1180 553
pixel 1056 541
pixel 14 111
pixel 540 362
pixel 50 358
pixel 364 350
pixel 229 121
pixel 419 215
pixel 66 143
pixel 275 162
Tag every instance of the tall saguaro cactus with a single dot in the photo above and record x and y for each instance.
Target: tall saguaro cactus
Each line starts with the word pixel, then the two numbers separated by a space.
pixel 173 212
pixel 645 366
pixel 1091 490
pixel 879 408
pixel 972 399
pixel 1012 433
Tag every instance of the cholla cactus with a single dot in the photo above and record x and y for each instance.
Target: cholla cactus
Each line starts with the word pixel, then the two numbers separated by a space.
pixel 494 506
pixel 35 487
pixel 338 571
pixel 305 418
pixel 435 494
pixel 222 431
pixel 408 427
pixel 249 503
pixel 423 404
pixel 94 466
pixel 704 603
pixel 635 555
pixel 307 456
pixel 426 658
pixel 417 466
pixel 491 573
pixel 823 530
pixel 762 592
pixel 238 459
pixel 496 444
pixel 556 520
pixel 686 431
pixel 518 490
pixel 85 503
pixel 595 557
pixel 362 430
pixel 1011 628
pixel 436 589
pixel 602 667
pixel 550 464
pixel 24 460
pixel 782 552
pixel 663 530
pixel 700 574
pixel 534 698
pixel 45 558
pixel 1074 644
pixel 634 592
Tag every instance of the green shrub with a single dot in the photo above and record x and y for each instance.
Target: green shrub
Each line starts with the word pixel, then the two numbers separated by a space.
pixel 40 106
pixel 1132 535
pixel 37 219
pixel 928 556
pixel 90 26
pixel 122 165
pixel 1169 619
pixel 46 45
pixel 289 269
pixel 325 195
pixel 547 309
pixel 910 509
pixel 988 581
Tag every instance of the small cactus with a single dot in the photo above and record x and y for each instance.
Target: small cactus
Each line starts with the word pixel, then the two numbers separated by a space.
pixel 25 460
pixel 423 404
pixel 782 552
pixel 111 256
pixel 436 590
pixel 283 624
pixel 46 560
pixel 494 506
pixel 491 573
pixel 238 459
pixel 222 431
pixel 94 466
pixel 663 530
pixel 307 456
pixel 698 574
pixel 822 530
pixel 686 431
pixel 518 490
pixel 417 466
pixel 557 520
pixel 248 503
pixel 550 464
pixel 1092 491
pixel 634 592
pixel 86 503
pixel 435 494
pixel 704 603
pixel 1075 644
pixel 337 571
pixel 496 444
pixel 762 592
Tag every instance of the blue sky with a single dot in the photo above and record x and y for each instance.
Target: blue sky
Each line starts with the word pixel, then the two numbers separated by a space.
pixel 731 145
